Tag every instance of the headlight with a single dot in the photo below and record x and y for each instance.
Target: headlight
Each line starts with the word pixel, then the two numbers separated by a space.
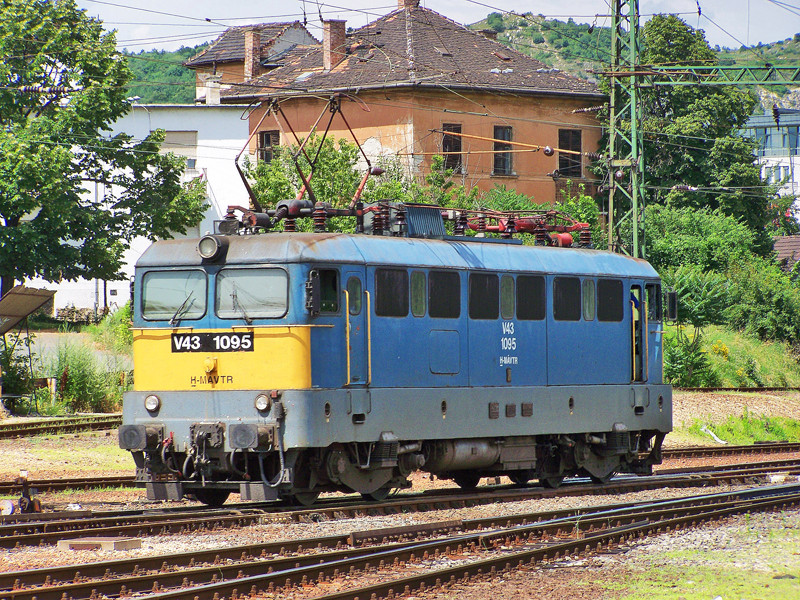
pixel 263 403
pixel 209 247
pixel 152 403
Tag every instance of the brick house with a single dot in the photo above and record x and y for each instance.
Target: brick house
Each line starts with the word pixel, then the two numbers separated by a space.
pixel 418 78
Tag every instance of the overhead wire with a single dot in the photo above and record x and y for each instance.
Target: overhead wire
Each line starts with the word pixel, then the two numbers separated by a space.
pixel 444 87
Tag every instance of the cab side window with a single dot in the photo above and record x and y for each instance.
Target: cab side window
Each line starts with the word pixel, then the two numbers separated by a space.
pixel 329 290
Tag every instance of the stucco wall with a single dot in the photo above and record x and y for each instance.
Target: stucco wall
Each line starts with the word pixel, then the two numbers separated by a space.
pixel 399 123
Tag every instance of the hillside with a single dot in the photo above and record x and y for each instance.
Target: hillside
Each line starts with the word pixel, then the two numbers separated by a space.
pixel 159 77
pixel 578 48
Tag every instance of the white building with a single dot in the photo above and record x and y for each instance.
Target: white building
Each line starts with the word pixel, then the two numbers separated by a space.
pixel 210 137
pixel 778 148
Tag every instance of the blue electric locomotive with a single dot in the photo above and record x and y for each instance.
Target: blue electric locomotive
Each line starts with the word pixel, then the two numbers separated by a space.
pixel 282 365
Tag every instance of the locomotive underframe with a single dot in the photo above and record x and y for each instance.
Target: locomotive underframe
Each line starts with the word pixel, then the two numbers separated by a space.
pixel 311 441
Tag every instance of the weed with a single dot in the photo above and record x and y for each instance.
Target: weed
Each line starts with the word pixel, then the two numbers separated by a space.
pixel 748 429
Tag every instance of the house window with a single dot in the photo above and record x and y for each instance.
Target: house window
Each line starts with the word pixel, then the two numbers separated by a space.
pixel 268 142
pixel 502 151
pixel 451 147
pixel 182 143
pixel 569 165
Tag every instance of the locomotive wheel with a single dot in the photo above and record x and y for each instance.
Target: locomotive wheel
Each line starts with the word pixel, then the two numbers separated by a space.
pixel 604 479
pixel 378 495
pixel 521 477
pixel 466 480
pixel 303 498
pixel 213 497
pixel 551 482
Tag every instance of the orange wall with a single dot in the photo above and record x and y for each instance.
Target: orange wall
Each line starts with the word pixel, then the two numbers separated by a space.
pixel 400 122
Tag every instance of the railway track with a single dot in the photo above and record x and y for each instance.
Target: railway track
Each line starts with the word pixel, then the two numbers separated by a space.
pixel 711 451
pixel 49 528
pixel 39 486
pixel 446 551
pixel 61 425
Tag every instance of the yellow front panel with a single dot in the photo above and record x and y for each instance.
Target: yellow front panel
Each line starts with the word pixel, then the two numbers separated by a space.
pixel 281 359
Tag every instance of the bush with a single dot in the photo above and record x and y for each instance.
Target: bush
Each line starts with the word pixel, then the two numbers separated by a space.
pixel 84 383
pixel 702 296
pixel 763 301
pixel 686 363
pixel 114 331
pixel 15 365
pixel 708 239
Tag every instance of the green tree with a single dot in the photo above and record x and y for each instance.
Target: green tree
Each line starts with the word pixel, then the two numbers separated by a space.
pixel 71 196
pixel 333 179
pixel 694 156
pixel 708 239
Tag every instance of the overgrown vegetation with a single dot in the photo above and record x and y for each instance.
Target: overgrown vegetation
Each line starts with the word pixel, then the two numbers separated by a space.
pixel 580 47
pixel 114 332
pixel 160 77
pixel 87 382
pixel 89 377
pixel 748 429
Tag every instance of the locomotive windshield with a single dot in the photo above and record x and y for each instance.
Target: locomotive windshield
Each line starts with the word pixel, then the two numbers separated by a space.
pixel 173 295
pixel 248 293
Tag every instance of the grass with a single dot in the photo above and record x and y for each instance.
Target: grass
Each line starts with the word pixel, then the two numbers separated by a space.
pixel 740 360
pixel 751 562
pixel 749 429
pixel 744 361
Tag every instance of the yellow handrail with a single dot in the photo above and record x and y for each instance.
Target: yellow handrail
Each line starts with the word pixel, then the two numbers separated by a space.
pixel 347 332
pixel 633 339
pixel 369 340
pixel 646 333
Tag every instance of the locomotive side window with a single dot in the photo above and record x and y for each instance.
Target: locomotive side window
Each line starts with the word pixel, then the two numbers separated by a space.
pixel 589 299
pixel 248 293
pixel 507 297
pixel 609 300
pixel 173 295
pixel 391 292
pixel 329 290
pixel 444 294
pixel 654 309
pixel 484 296
pixel 419 296
pixel 567 299
pixel 354 294
pixel 531 303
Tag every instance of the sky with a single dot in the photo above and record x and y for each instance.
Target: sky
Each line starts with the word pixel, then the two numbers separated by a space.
pixel 148 24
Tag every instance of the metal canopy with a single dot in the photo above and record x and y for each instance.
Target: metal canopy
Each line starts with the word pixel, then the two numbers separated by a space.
pixel 20 302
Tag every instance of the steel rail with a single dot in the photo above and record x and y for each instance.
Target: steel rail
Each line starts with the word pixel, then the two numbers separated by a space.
pixel 40 486
pixel 234 564
pixel 72 424
pixel 28 531
pixel 706 451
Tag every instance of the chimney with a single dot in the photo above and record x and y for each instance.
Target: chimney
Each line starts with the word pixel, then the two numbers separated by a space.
pixel 212 89
pixel 333 43
pixel 252 54
pixel 407 3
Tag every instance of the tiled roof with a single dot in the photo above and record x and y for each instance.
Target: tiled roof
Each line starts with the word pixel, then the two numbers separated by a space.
pixel 413 47
pixel 229 47
pixel 787 249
